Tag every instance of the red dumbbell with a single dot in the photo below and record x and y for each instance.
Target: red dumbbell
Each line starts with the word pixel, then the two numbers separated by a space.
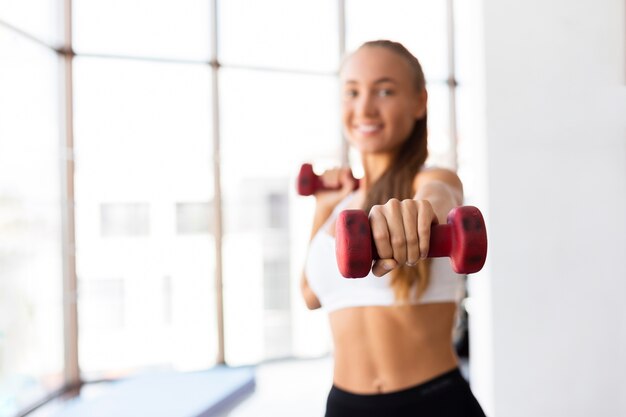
pixel 309 182
pixel 463 239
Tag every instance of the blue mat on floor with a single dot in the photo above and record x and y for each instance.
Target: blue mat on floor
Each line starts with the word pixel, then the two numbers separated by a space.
pixel 168 394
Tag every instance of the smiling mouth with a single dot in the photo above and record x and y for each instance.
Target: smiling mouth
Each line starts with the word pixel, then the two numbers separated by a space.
pixel 367 129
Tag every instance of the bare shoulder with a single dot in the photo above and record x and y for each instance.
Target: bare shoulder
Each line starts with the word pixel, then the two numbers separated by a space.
pixel 440 175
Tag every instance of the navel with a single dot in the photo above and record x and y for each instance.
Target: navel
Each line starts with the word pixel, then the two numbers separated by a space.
pixel 378 385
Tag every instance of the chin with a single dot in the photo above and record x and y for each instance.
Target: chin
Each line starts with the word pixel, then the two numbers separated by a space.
pixel 369 145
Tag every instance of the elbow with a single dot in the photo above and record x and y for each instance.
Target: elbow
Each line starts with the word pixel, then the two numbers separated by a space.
pixel 312 304
pixel 310 299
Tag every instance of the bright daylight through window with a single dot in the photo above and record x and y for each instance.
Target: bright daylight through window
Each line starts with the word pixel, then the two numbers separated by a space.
pixel 184 144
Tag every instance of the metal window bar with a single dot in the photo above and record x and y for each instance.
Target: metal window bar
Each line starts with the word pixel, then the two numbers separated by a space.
pixel 217 198
pixel 70 312
pixel 452 83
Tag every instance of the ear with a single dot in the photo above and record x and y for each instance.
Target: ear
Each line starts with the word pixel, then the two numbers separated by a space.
pixel 422 102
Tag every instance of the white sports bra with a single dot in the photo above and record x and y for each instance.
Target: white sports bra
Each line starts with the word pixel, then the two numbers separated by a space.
pixel 335 292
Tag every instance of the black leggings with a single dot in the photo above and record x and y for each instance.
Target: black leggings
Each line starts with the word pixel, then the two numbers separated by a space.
pixel 447 395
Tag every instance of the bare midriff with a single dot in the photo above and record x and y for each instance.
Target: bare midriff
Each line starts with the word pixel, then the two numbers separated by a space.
pixel 384 349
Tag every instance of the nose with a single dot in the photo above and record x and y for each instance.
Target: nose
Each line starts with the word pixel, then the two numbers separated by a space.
pixel 366 105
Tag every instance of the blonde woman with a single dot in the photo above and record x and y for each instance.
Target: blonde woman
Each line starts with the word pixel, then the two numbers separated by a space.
pixel 392 331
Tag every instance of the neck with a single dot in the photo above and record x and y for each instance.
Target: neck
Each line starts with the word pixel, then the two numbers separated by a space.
pixel 374 165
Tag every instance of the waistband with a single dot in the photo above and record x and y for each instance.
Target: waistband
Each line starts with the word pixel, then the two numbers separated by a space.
pixel 444 381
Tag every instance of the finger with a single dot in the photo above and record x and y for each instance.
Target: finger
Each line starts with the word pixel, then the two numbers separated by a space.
pixel 425 219
pixel 393 214
pixel 383 266
pixel 409 218
pixel 380 232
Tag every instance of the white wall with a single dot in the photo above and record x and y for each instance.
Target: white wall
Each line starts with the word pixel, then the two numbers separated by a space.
pixel 543 113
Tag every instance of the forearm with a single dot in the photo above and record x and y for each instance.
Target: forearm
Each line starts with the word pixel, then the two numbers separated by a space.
pixel 322 214
pixel 319 218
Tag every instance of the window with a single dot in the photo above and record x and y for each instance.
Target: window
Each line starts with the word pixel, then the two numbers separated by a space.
pixel 143 133
pixel 278 210
pixel 419 25
pixel 192 218
pixel 143 28
pixel 253 34
pixel 259 194
pixel 45 25
pixel 102 304
pixel 31 230
pixel 168 136
pixel 276 284
pixel 124 219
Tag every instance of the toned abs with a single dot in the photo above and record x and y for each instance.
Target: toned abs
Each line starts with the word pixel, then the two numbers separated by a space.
pixel 383 349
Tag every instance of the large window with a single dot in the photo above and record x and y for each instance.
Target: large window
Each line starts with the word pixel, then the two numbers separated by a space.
pixel 279 34
pixel 161 201
pixel 31 285
pixel 290 119
pixel 143 155
pixel 172 29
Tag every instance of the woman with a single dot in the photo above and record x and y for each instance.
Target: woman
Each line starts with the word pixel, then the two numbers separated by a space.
pixel 392 330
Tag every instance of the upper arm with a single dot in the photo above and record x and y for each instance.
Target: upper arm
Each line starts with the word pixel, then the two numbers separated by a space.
pixel 437 180
pixel 441 187
pixel 319 220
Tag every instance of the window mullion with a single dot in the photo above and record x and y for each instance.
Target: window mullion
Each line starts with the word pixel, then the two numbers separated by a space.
pixel 70 311
pixel 452 85
pixel 341 14
pixel 217 200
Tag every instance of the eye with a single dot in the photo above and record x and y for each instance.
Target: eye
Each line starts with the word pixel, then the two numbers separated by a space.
pixel 385 92
pixel 350 93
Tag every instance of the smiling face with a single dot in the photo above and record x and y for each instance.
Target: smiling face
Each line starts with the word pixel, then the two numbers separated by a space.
pixel 380 100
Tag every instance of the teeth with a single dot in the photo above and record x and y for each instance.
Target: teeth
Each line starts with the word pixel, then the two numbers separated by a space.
pixel 368 128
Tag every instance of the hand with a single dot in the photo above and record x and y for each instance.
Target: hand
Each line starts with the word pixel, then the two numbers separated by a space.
pixel 341 183
pixel 401 232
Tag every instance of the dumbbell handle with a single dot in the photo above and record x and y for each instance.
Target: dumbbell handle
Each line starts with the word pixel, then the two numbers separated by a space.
pixel 440 244
pixel 463 239
pixel 310 183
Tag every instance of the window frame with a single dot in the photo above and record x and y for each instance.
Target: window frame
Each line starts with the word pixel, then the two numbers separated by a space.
pixel 66 54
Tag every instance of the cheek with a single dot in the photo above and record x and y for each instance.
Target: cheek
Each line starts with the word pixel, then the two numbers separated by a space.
pixel 346 113
pixel 347 118
pixel 403 124
pixel 345 122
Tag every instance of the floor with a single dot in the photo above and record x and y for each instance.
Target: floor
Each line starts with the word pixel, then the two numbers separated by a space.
pixel 288 388
pixel 291 388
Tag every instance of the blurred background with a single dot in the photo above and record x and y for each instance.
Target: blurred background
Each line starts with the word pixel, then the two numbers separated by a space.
pixel 148 214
